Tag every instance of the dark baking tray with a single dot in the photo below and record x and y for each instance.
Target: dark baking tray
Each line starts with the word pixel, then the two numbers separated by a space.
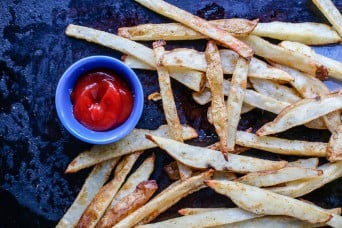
pixel 35 148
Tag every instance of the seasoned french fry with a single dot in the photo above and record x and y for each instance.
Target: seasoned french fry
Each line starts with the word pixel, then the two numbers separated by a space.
pixel 251 98
pixel 192 79
pixel 235 99
pixel 154 96
pixel 331 171
pixel 307 33
pixel 141 174
pixel 335 146
pixel 102 199
pixel 129 203
pixel 112 41
pixel 215 78
pixel 199 25
pixel 281 146
pixel 192 59
pixel 206 219
pixel 286 57
pixel 262 201
pixel 169 105
pixel 302 112
pixel 98 176
pixel 176 31
pixel 165 199
pixel 310 163
pixel 135 141
pixel 203 158
pixel 271 178
pixel 330 11
pixel 334 67
pixel 275 90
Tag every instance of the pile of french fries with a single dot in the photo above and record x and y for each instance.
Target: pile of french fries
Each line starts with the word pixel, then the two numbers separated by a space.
pixel 285 81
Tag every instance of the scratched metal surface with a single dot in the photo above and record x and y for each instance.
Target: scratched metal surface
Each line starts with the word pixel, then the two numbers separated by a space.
pixel 35 148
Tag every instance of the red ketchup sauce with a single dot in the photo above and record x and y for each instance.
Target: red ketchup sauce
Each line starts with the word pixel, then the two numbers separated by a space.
pixel 101 100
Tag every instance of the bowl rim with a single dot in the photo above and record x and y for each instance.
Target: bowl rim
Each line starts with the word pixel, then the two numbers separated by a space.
pixel 64 106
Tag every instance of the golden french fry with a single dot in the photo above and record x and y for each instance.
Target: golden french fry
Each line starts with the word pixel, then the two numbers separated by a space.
pixel 206 219
pixel 192 59
pixel 331 171
pixel 165 199
pixel 215 78
pixel 330 11
pixel 310 163
pixel 169 105
pixel 335 145
pixel 198 24
pixel 275 90
pixel 271 178
pixel 102 199
pixel 129 203
pixel 302 112
pixel 154 96
pixel 135 141
pixel 192 79
pixel 235 99
pixel 98 176
pixel 203 158
pixel 281 146
pixel 307 33
pixel 112 41
pixel 176 31
pixel 141 174
pixel 262 201
pixel 286 57
pixel 334 67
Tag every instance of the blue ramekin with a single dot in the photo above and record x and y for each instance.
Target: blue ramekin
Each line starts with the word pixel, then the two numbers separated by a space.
pixel 65 108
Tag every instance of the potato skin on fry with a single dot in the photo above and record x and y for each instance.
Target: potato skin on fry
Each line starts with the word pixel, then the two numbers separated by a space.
pixel 129 203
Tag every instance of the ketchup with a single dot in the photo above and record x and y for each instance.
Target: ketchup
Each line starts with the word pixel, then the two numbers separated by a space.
pixel 101 100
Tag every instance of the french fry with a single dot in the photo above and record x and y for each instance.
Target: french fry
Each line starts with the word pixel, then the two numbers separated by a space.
pixel 192 79
pixel 154 96
pixel 112 41
pixel 235 99
pixel 165 199
pixel 275 90
pixel 221 175
pixel 215 78
pixel 310 87
pixel 307 33
pixel 281 146
pixel 330 11
pixel 293 115
pixel 251 98
pixel 271 178
pixel 331 171
pixel 176 31
pixel 141 174
pixel 195 211
pixel 206 219
pixel 135 141
pixel 262 201
pixel 310 163
pixel 286 57
pixel 129 203
pixel 98 176
pixel 335 146
pixel 334 67
pixel 199 25
pixel 104 196
pixel 169 106
pixel 192 59
pixel 203 158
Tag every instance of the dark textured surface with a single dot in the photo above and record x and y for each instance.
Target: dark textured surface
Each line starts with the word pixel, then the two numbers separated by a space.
pixel 34 147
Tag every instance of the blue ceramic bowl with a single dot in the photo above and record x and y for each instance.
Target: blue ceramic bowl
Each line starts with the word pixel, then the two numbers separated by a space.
pixel 65 108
